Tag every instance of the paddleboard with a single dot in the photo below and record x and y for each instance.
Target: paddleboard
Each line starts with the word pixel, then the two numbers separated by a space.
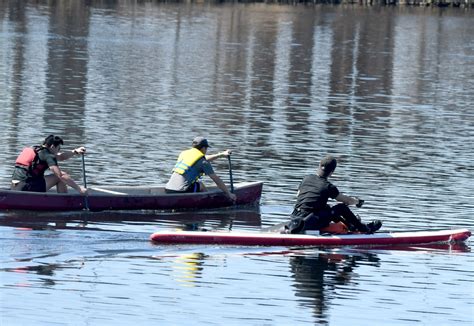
pixel 276 239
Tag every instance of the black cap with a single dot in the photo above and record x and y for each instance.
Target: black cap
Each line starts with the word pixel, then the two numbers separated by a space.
pixel 327 165
pixel 200 142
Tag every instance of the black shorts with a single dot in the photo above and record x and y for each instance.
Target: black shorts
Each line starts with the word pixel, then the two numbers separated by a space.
pixel 195 187
pixel 35 185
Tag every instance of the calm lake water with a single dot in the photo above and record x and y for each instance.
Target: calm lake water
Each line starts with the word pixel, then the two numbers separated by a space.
pixel 389 91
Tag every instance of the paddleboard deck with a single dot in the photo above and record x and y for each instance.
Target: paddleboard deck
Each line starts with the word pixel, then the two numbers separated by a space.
pixel 276 239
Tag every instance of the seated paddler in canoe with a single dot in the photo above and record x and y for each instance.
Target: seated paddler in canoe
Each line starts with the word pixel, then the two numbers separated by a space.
pixel 312 212
pixel 191 165
pixel 33 162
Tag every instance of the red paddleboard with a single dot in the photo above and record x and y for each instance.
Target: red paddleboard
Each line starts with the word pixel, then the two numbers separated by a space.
pixel 276 239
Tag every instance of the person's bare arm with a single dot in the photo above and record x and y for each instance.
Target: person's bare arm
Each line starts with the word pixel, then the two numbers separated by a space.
pixel 348 200
pixel 222 186
pixel 64 177
pixel 212 157
pixel 67 155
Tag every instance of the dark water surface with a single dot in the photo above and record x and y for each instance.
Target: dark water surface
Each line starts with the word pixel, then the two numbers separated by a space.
pixel 389 91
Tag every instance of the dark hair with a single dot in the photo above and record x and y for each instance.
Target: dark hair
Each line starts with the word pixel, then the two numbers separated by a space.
pixel 53 140
pixel 327 166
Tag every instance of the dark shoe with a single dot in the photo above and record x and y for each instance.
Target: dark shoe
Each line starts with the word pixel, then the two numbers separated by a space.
pixel 295 226
pixel 373 226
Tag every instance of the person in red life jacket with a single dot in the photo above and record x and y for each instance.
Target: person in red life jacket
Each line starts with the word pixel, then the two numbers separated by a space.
pixel 311 211
pixel 191 165
pixel 33 162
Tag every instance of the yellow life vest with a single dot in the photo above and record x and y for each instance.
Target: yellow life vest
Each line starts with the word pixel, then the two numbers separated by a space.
pixel 186 160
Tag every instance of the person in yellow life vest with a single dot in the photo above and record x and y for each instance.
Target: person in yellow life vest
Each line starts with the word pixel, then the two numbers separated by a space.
pixel 32 163
pixel 191 165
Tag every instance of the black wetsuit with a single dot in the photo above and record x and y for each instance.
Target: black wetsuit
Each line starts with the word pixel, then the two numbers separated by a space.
pixel 311 210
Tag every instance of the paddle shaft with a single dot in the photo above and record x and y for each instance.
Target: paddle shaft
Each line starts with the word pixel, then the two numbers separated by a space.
pixel 86 200
pixel 84 171
pixel 230 175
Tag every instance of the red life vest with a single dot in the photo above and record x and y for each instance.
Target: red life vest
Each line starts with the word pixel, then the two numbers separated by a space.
pixel 29 160
pixel 26 157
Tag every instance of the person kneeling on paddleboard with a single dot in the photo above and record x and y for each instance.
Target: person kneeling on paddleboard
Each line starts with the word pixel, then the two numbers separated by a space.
pixel 311 211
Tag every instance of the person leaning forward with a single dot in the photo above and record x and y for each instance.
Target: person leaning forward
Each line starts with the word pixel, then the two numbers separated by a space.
pixel 311 211
pixel 191 165
pixel 32 163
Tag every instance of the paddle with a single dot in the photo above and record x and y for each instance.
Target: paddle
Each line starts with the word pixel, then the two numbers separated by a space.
pixel 230 175
pixel 86 200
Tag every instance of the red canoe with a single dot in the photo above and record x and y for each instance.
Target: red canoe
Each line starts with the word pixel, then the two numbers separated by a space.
pixel 276 239
pixel 129 198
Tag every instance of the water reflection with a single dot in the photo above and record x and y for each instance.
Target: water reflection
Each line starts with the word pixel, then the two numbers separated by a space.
pixel 319 277
pixel 190 220
pixel 66 69
pixel 41 270
pixel 319 274
pixel 187 269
